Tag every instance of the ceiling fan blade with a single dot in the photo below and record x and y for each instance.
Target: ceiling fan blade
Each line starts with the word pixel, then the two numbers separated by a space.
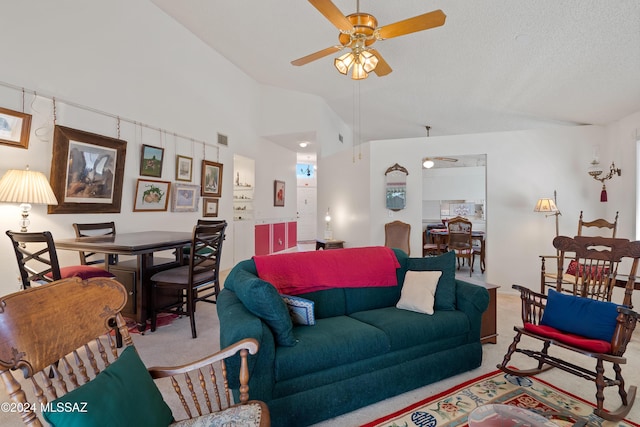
pixel 411 25
pixel 333 14
pixel 383 68
pixel 317 55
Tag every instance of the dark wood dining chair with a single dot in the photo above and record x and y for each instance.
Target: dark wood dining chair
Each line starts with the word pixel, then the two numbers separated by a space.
pixel 95 229
pixel 38 260
pixel 461 240
pixel 199 280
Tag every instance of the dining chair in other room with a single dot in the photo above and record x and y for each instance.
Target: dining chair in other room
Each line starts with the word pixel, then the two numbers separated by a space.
pixel 397 235
pixel 198 280
pixel 38 260
pixel 461 240
pixel 478 250
pixel 81 346
pixel 431 247
pixel 95 229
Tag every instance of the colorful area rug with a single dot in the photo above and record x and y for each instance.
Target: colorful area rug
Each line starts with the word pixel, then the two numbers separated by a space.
pixel 452 407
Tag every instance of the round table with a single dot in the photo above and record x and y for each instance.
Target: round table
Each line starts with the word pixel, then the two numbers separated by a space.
pixel 498 415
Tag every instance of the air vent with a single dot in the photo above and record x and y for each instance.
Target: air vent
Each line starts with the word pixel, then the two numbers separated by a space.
pixel 223 140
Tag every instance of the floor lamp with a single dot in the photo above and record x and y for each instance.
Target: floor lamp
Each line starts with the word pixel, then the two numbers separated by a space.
pixel 549 207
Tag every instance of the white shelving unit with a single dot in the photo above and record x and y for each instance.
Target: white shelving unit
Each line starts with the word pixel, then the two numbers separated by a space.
pixel 242 202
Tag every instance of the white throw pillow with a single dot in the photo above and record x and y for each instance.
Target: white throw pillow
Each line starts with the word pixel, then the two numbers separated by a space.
pixel 419 290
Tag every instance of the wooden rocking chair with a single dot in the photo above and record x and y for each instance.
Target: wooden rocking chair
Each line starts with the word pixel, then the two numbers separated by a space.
pixel 60 335
pixel 547 329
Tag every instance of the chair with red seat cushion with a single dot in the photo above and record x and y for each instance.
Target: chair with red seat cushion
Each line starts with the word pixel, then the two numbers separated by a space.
pixel 597 329
pixel 38 260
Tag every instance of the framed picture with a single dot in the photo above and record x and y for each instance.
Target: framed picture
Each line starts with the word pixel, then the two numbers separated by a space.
pixel 86 172
pixel 209 207
pixel 184 166
pixel 278 193
pixel 185 197
pixel 211 179
pixel 151 195
pixel 14 128
pixel 151 161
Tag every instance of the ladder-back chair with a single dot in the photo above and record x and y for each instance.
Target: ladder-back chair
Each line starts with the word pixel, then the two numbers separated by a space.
pixel 60 337
pixel 600 226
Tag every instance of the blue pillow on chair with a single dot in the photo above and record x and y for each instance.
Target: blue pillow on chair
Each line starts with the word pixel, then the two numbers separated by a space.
pixel 581 316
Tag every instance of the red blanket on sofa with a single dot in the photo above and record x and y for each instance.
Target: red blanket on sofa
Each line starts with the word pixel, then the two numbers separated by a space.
pixel 301 272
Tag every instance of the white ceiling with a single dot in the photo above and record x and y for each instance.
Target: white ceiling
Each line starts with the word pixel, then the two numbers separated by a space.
pixel 495 65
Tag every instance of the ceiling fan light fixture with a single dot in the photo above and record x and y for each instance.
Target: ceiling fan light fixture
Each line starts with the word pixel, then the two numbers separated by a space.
pixel 358 72
pixel 344 62
pixel 368 60
pixel 428 163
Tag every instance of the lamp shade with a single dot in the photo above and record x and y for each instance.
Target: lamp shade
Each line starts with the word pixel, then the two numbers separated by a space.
pixel 25 186
pixel 546 205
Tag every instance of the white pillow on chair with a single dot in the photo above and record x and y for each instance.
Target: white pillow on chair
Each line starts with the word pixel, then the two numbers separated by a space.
pixel 418 291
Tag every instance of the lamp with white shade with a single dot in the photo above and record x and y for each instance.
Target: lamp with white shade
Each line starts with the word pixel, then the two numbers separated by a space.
pixel 549 207
pixel 26 187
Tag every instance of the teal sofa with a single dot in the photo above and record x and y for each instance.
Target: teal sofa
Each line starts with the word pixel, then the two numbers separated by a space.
pixel 362 348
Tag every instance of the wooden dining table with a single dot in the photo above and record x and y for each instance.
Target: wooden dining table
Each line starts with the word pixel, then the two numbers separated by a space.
pixel 440 234
pixel 135 274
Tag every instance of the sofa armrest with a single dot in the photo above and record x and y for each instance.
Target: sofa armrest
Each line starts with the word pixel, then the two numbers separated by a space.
pixel 237 323
pixel 473 300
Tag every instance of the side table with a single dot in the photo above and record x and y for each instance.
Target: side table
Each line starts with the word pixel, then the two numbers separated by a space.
pixel 488 329
pixel 329 244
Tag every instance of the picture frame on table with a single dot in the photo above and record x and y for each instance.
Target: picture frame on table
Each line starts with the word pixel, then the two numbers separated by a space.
pixel 151 195
pixel 14 128
pixel 151 161
pixel 87 171
pixel 278 193
pixel 184 168
pixel 185 197
pixel 211 179
pixel 209 207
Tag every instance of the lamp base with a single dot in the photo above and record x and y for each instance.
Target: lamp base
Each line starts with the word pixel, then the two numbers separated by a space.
pixel 24 222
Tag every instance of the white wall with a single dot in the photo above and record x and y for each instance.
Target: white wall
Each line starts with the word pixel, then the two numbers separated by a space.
pixel 466 183
pixel 130 59
pixel 521 167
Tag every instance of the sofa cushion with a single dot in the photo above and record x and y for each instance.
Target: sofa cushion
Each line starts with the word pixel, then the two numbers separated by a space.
pixel 446 292
pixel 123 394
pixel 418 291
pixel 328 303
pixel 264 301
pixel 331 342
pixel 406 329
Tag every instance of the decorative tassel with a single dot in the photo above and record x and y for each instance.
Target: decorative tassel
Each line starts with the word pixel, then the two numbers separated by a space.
pixel 603 194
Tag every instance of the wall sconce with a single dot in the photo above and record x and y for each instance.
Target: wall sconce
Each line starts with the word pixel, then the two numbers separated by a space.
pixel 596 172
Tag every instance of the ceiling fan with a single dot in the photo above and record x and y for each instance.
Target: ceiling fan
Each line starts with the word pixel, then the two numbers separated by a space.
pixel 358 32
pixel 429 162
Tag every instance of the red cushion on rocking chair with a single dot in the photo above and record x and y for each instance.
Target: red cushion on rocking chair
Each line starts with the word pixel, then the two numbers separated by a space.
pixel 82 271
pixel 596 346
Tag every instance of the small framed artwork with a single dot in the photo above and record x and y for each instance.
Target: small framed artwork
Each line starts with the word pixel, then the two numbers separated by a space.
pixel 151 195
pixel 184 166
pixel 151 161
pixel 278 193
pixel 185 197
pixel 87 171
pixel 14 128
pixel 211 179
pixel 210 207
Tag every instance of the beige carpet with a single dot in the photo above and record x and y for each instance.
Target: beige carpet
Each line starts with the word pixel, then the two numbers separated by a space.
pixel 172 345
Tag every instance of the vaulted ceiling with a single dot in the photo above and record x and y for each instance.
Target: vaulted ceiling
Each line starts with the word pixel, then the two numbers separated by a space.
pixel 495 65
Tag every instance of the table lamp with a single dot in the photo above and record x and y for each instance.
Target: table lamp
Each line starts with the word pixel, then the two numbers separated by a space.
pixel 549 205
pixel 328 234
pixel 26 187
